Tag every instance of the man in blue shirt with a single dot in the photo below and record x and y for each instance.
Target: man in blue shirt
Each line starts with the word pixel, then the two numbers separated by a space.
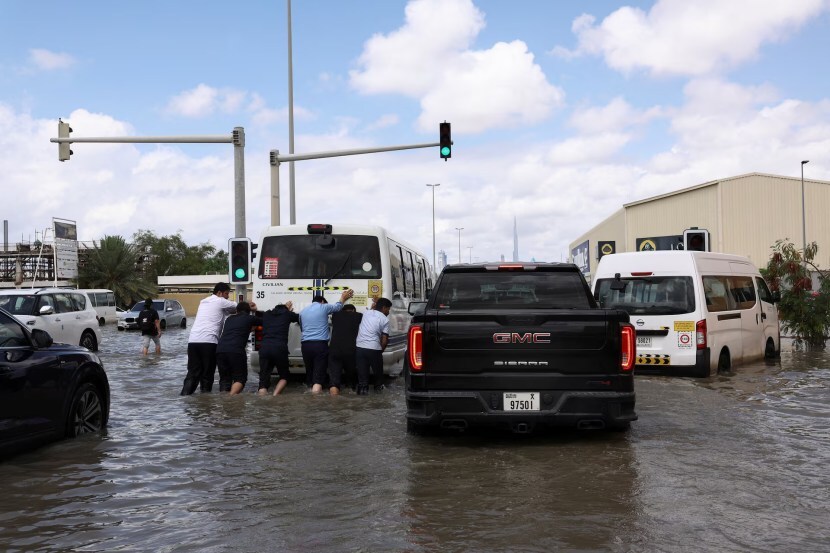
pixel 314 322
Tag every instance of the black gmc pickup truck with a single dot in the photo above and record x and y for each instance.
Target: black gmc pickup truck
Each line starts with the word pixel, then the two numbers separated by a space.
pixel 517 345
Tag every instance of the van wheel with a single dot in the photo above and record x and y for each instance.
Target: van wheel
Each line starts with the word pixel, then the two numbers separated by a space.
pixel 101 321
pixel 769 350
pixel 724 362
pixel 183 324
pixel 163 324
pixel 89 341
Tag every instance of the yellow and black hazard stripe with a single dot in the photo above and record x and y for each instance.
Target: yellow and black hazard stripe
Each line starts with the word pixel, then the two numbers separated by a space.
pixel 315 288
pixel 653 359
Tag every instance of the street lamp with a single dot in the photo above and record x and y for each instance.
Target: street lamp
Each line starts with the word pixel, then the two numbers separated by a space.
pixel 471 253
pixel 459 229
pixel 803 216
pixel 433 223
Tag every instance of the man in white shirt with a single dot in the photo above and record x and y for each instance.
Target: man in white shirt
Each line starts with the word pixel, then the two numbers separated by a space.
pixel 372 338
pixel 204 335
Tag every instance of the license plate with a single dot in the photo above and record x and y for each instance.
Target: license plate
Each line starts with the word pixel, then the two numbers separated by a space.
pixel 521 401
pixel 644 341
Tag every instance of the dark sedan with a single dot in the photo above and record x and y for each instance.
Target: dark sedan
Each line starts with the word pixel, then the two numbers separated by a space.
pixel 48 391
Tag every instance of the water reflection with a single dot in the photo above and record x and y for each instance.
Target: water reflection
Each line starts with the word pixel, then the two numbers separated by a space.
pixel 480 493
pixel 730 463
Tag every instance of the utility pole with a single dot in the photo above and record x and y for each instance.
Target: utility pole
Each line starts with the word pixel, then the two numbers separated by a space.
pixel 433 222
pixel 236 137
pixel 459 229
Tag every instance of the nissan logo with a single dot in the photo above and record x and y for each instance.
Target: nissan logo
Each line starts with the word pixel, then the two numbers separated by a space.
pixel 640 322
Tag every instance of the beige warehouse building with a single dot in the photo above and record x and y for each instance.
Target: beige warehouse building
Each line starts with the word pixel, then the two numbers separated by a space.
pixel 744 215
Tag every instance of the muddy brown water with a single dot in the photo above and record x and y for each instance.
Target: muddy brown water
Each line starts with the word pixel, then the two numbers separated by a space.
pixel 736 462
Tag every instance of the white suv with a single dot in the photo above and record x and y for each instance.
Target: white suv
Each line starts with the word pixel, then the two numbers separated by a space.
pixel 67 315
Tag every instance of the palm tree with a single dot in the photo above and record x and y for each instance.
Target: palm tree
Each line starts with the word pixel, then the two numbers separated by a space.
pixel 112 264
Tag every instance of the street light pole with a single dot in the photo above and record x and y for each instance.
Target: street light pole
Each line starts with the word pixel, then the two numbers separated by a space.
pixel 433 223
pixel 471 253
pixel 459 229
pixel 803 216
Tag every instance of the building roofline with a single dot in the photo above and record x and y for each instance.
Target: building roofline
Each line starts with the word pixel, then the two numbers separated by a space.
pixel 718 181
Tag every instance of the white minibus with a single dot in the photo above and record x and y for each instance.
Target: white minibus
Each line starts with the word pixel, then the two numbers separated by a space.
pixel 297 262
pixel 104 303
pixel 694 312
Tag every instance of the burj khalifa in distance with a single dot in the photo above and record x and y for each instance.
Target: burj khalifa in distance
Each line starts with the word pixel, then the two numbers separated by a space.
pixel 515 240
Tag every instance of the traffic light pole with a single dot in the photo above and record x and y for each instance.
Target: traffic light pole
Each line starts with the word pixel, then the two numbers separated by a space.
pixel 237 138
pixel 276 159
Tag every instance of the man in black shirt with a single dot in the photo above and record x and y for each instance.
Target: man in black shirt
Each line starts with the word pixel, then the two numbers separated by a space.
pixel 231 356
pixel 344 326
pixel 273 351
pixel 148 322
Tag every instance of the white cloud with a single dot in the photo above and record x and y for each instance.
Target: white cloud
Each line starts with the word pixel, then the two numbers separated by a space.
pixel 678 37
pixel 412 59
pixel 616 115
pixel 429 58
pixel 205 100
pixel 384 121
pixel 47 60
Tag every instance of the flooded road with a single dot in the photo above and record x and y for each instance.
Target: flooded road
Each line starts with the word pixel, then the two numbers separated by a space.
pixel 729 463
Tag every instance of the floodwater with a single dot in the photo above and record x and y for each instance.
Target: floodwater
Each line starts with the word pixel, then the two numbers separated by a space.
pixel 730 463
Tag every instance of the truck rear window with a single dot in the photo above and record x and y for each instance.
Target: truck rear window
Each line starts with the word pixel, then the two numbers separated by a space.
pixel 512 290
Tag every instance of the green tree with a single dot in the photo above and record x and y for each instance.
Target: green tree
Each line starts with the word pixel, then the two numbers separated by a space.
pixel 170 255
pixel 111 264
pixel 804 312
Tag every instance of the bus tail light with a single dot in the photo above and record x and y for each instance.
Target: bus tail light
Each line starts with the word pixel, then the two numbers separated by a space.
pixel 628 340
pixel 257 337
pixel 415 346
pixel 700 334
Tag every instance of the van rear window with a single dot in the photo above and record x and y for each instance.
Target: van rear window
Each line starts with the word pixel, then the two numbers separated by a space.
pixel 656 295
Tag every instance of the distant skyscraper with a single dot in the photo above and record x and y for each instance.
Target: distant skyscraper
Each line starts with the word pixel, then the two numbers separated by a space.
pixel 515 240
pixel 502 258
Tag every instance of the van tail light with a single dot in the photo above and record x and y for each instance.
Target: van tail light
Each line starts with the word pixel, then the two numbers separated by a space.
pixel 629 350
pixel 415 346
pixel 700 334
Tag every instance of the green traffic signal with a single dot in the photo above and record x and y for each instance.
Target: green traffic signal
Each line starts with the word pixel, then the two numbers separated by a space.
pixel 444 140
pixel 445 151
pixel 240 273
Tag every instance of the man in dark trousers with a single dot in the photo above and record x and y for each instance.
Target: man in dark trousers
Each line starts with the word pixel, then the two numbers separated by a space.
pixel 231 354
pixel 148 322
pixel 273 351
pixel 204 335
pixel 372 339
pixel 314 344
pixel 344 326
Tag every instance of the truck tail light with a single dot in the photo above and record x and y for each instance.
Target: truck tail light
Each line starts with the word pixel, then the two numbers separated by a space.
pixel 629 353
pixel 700 334
pixel 415 346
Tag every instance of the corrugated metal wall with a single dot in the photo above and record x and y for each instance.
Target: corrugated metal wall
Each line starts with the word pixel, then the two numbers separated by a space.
pixel 744 215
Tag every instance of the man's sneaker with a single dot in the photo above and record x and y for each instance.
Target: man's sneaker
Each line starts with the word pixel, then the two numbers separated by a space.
pixel 363 390
pixel 379 388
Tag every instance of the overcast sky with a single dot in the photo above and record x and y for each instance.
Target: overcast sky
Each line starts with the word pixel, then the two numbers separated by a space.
pixel 561 111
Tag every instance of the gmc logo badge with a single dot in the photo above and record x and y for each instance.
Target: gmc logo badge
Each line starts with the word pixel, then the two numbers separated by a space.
pixel 517 338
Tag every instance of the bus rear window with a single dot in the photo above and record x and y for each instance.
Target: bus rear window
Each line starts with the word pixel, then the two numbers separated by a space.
pixel 312 256
pixel 658 295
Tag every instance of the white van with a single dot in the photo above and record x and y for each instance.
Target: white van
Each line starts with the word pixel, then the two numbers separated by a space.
pixel 694 312
pixel 104 303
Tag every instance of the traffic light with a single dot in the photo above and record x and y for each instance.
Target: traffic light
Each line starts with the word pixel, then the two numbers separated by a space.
pixel 444 140
pixel 64 150
pixel 239 260
pixel 696 240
